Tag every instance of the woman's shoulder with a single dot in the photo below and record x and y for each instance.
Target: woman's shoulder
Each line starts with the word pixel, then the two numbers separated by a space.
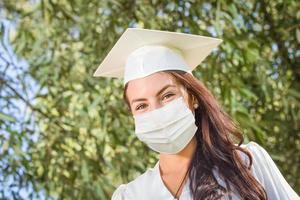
pixel 127 191
pixel 251 145
pixel 256 150
pixel 268 174
pixel 119 193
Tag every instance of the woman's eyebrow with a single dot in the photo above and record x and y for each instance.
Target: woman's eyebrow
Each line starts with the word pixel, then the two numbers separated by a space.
pixel 164 88
pixel 158 93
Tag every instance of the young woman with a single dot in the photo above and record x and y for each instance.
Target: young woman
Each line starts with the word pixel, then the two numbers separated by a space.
pixel 201 155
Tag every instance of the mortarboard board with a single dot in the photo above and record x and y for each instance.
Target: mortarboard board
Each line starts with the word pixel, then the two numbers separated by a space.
pixel 140 52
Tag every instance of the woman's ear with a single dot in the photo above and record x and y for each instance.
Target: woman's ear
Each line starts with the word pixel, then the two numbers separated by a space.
pixel 189 98
pixel 195 103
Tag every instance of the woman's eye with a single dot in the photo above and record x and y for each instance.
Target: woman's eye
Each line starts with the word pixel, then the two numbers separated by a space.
pixel 168 95
pixel 140 106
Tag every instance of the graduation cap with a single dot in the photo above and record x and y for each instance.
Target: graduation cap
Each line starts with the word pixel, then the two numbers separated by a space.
pixel 140 52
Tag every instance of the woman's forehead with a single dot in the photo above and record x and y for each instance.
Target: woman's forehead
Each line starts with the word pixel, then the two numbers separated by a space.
pixel 150 84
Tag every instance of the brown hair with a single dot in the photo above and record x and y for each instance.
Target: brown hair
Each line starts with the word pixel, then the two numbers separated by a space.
pixel 216 147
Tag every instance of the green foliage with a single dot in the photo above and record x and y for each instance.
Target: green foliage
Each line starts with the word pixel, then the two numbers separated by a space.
pixel 86 146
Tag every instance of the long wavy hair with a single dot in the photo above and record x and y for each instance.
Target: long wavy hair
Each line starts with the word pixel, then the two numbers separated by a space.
pixel 216 148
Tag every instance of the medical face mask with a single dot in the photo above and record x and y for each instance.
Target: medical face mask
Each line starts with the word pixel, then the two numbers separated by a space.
pixel 167 129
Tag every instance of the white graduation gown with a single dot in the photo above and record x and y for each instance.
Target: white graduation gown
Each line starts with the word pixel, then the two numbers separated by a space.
pixel 149 185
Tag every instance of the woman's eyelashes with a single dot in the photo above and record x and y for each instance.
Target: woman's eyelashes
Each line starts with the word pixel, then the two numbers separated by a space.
pixel 139 106
pixel 164 97
pixel 167 95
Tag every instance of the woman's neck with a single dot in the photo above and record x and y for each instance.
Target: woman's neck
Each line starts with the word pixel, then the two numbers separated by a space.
pixel 173 163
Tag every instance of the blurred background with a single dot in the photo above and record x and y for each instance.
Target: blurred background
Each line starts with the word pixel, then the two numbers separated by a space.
pixel 67 135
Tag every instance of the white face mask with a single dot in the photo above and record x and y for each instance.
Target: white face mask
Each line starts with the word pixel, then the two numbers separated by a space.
pixel 167 129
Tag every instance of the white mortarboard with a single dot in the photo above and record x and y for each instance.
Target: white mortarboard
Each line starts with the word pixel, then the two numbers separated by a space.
pixel 140 52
